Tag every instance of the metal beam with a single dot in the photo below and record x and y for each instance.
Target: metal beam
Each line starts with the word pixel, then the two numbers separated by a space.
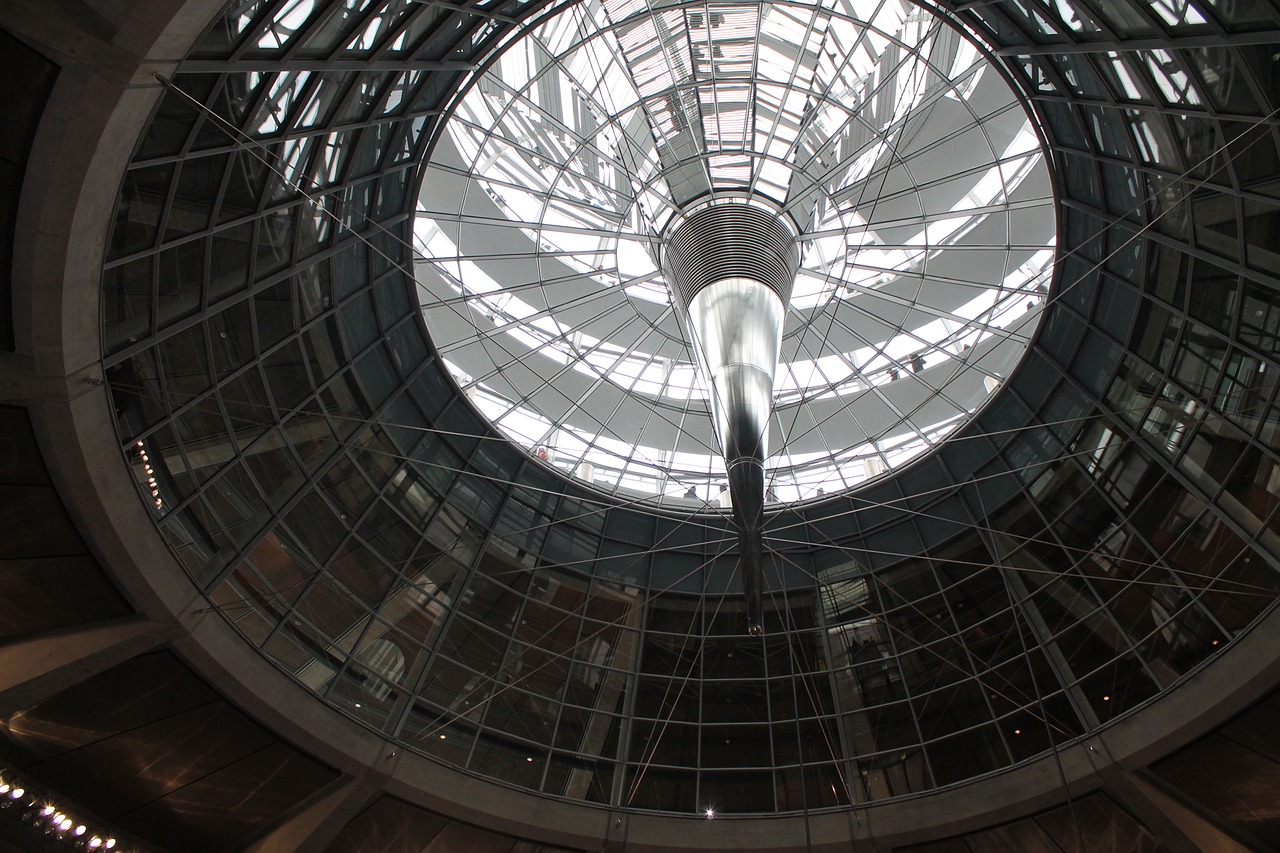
pixel 317 824
pixel 1241 39
pixel 216 66
pixel 34 668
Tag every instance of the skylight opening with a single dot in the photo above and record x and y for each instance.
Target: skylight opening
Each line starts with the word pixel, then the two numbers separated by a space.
pixel 927 231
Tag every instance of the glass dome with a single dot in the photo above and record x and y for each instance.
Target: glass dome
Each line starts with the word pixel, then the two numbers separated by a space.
pixel 882 136
pixel 1080 547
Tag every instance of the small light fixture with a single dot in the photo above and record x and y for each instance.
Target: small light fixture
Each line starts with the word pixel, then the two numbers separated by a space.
pixel 710 812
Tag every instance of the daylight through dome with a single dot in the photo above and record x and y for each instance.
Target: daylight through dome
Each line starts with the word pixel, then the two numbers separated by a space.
pixel 874 131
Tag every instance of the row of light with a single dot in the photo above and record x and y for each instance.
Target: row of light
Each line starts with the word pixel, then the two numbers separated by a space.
pixel 42 812
pixel 152 486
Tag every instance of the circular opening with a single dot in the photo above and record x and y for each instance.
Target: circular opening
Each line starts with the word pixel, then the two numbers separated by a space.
pixel 913 175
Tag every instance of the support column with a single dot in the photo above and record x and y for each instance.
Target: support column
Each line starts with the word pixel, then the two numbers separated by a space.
pixel 35 668
pixel 1180 828
pixel 312 828
pixel 608 696
pixel 1053 653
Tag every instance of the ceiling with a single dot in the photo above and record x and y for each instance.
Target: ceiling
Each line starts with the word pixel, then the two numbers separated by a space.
pixel 249 495
pixel 909 169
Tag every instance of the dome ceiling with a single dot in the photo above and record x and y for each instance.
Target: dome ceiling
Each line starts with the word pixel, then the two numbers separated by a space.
pixel 902 159
pixel 318 459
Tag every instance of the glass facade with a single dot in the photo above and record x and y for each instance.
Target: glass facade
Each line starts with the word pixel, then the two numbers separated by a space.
pixel 1104 526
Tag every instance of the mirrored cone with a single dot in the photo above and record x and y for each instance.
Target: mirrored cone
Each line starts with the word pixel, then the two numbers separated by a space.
pixel 731 267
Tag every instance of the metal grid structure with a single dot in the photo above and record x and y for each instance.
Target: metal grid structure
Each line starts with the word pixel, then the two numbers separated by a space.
pixel 1105 526
pixel 900 156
